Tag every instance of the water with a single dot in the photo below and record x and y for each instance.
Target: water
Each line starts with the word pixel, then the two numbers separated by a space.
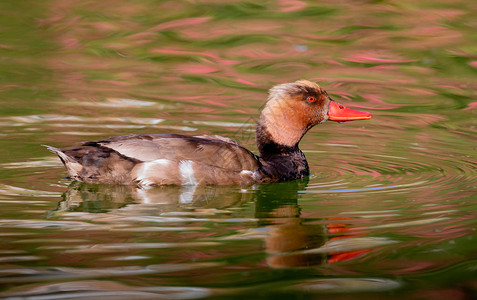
pixel 389 211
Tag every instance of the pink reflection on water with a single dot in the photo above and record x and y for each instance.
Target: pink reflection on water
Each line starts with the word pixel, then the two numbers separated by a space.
pixel 438 32
pixel 216 103
pixel 196 69
pixel 471 105
pixel 204 109
pixel 343 95
pixel 334 62
pixel 373 58
pixel 421 91
pixel 381 105
pixel 6 46
pixel 13 86
pixel 292 5
pixel 447 86
pixel 228 62
pixel 361 80
pixel 69 43
pixel 426 119
pixel 433 29
pixel 245 82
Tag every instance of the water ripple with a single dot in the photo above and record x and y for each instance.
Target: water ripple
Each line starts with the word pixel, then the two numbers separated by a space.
pixel 95 289
pixel 347 285
pixel 363 189
pixel 364 172
pixel 61 273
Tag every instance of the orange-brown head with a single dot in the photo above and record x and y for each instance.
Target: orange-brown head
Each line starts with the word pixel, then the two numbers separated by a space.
pixel 293 108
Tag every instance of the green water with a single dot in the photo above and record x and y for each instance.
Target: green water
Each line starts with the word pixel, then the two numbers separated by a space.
pixel 389 212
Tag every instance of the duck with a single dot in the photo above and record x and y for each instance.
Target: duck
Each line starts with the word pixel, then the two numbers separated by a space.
pixel 290 111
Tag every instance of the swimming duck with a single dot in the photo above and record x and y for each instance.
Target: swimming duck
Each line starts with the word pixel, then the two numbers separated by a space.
pixel 172 159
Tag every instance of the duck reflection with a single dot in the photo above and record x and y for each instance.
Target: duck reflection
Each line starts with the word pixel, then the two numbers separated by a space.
pixel 101 198
pixel 290 240
pixel 289 235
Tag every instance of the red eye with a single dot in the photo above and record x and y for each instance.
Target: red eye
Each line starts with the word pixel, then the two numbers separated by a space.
pixel 311 99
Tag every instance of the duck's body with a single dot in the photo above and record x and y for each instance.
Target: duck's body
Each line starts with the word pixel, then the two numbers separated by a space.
pixel 161 159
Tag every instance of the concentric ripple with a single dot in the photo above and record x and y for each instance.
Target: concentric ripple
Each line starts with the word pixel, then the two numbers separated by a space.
pixel 416 168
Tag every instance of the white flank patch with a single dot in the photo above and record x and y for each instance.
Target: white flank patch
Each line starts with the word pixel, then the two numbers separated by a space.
pixel 254 175
pixel 145 182
pixel 146 171
pixel 187 173
pixel 246 172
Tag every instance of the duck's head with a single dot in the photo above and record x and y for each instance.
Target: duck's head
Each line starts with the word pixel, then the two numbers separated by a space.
pixel 293 108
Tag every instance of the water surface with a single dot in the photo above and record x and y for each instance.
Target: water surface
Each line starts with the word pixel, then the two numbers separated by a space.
pixel 389 212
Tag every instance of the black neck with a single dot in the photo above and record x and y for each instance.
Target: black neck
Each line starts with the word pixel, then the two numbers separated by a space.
pixel 283 162
pixel 268 148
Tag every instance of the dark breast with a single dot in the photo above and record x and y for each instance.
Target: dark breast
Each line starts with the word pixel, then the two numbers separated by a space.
pixel 289 166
